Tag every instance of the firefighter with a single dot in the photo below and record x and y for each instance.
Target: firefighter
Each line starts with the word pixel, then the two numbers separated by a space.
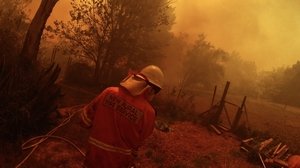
pixel 294 161
pixel 121 118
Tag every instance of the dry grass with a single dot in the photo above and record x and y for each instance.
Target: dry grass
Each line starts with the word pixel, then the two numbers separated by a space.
pixel 264 118
pixel 188 145
pixel 272 119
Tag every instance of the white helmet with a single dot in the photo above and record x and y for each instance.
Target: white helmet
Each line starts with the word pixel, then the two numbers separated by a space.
pixel 154 75
pixel 149 76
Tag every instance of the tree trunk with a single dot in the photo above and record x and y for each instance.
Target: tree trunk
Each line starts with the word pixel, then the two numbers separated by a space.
pixel 104 69
pixel 35 30
pixel 98 67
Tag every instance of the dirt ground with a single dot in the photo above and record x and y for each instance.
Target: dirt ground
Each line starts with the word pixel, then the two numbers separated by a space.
pixel 188 145
pixel 185 145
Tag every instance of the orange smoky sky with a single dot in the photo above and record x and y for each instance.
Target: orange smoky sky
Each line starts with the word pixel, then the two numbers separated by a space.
pixel 264 31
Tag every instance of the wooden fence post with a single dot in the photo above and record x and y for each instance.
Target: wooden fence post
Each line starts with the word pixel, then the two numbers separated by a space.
pixel 215 118
pixel 238 115
pixel 213 99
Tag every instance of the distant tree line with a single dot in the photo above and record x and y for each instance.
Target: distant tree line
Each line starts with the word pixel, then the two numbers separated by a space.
pixel 14 23
pixel 115 35
pixel 282 85
pixel 201 66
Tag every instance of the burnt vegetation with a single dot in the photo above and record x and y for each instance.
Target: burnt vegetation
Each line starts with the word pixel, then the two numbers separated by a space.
pixel 103 41
pixel 28 92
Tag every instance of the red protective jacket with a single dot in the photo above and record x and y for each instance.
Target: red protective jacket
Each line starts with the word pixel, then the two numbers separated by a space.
pixel 119 124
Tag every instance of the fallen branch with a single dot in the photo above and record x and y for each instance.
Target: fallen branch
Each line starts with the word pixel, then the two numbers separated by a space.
pixel 215 129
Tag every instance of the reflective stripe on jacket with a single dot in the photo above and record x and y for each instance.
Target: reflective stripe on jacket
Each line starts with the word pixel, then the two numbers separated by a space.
pixel 108 147
pixel 119 124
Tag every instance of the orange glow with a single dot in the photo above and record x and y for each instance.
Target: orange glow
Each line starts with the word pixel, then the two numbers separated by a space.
pixel 266 32
pixel 60 11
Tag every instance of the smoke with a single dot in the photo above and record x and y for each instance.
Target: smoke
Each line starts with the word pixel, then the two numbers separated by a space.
pixel 266 32
pixel 60 11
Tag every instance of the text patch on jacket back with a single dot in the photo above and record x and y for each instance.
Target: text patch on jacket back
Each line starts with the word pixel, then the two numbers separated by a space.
pixel 127 110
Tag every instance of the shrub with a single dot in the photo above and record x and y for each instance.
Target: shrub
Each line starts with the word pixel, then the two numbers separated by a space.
pixel 28 97
pixel 172 107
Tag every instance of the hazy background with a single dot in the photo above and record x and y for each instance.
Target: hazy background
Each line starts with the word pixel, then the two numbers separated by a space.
pixel 210 43
pixel 266 32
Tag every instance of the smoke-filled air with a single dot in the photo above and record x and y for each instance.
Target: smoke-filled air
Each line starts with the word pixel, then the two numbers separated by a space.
pixel 149 83
pixel 265 32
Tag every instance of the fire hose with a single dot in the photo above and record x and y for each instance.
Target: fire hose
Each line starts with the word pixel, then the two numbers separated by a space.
pixel 43 138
